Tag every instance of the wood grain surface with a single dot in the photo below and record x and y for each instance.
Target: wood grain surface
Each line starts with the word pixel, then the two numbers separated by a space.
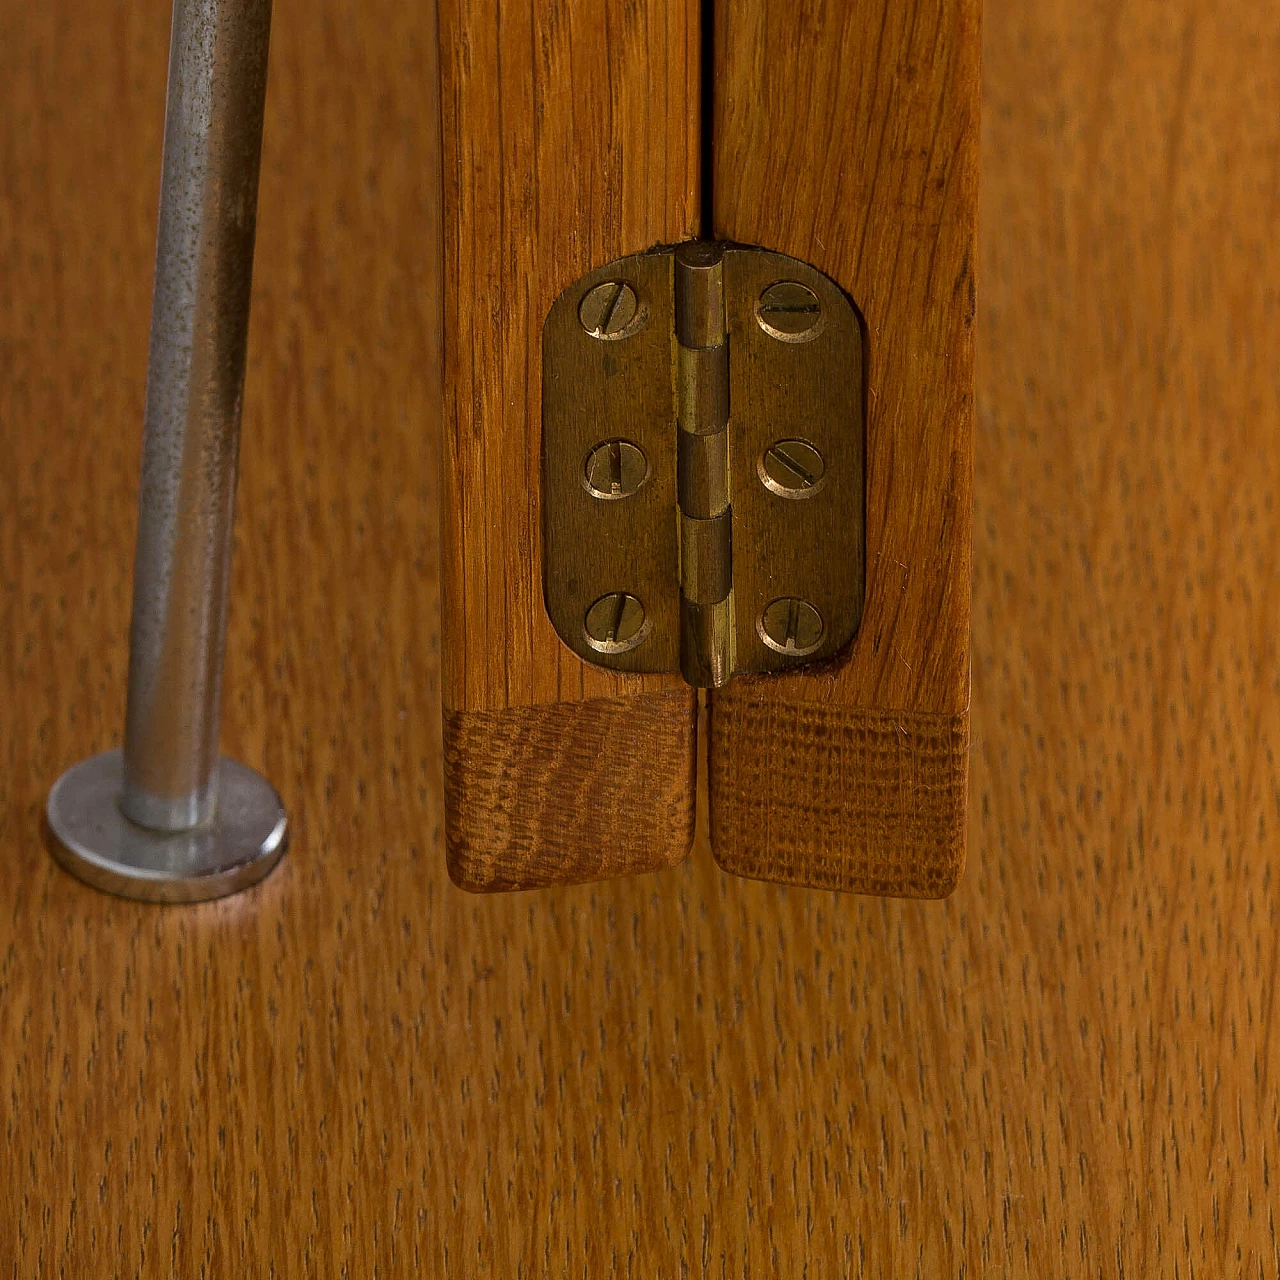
pixel 568 141
pixel 1067 1069
pixel 847 136
pixel 541 796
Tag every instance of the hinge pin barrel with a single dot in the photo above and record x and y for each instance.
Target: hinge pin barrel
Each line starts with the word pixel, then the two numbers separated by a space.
pixel 706 553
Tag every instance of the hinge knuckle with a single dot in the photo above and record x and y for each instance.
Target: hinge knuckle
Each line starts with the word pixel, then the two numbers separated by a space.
pixel 702 388
pixel 700 319
pixel 702 469
pixel 706 647
pixel 706 620
pixel 705 576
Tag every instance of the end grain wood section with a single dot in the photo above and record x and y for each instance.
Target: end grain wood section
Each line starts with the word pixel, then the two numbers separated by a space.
pixel 557 783
pixel 846 135
pixel 1068 1069
pixel 568 141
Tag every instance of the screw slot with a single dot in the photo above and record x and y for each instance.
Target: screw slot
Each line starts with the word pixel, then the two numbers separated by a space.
pixel 615 469
pixel 612 311
pixel 791 626
pixel 616 624
pixel 792 469
pixel 789 311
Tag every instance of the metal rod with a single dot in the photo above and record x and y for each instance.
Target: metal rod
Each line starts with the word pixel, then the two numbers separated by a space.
pixel 167 819
pixel 195 382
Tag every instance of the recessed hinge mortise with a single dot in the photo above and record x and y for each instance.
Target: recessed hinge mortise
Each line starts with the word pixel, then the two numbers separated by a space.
pixel 703 464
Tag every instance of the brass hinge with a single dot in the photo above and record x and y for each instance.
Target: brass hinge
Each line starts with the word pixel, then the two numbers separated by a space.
pixel 702 463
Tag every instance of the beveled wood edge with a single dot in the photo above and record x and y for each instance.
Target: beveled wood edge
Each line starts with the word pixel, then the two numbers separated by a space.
pixel 569 792
pixel 862 800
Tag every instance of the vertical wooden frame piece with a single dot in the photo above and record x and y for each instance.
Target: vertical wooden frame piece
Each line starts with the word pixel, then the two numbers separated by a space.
pixel 847 135
pixel 569 138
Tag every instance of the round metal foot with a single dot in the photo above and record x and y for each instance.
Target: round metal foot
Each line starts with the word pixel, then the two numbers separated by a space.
pixel 95 841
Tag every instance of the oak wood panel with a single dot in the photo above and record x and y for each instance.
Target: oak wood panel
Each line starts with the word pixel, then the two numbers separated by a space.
pixel 846 135
pixel 1067 1069
pixel 568 141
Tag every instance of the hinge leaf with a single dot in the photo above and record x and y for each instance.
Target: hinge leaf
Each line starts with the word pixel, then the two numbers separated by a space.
pixel 703 455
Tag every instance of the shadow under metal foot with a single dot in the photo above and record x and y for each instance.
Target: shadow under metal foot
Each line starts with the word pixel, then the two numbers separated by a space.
pixel 95 841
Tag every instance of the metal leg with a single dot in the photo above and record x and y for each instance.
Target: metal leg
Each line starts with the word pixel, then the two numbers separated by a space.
pixel 166 818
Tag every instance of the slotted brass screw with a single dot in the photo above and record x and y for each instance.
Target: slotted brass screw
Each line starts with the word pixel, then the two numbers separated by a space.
pixel 615 623
pixel 610 311
pixel 615 469
pixel 792 468
pixel 789 311
pixel 791 626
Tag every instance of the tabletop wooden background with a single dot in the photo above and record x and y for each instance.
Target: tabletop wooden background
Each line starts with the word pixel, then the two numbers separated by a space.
pixel 1070 1069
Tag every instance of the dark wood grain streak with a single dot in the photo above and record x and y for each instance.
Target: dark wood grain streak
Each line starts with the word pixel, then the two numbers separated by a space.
pixel 1066 1069
pixel 847 135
